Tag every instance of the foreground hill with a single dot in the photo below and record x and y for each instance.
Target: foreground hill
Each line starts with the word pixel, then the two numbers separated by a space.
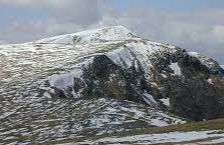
pixel 209 132
pixel 102 81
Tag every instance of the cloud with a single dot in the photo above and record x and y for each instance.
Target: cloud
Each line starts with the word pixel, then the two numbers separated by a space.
pixel 76 11
pixel 35 3
pixel 2 42
pixel 65 16
pixel 23 31
pixel 200 30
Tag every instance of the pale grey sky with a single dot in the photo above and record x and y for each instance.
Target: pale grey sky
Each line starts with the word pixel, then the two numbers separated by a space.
pixel 197 25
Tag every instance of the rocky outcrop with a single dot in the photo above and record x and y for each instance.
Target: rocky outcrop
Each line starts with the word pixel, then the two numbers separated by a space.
pixel 162 76
pixel 198 92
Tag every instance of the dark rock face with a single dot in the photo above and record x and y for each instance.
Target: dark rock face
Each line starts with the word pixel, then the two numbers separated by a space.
pixel 104 78
pixel 198 93
pixel 193 84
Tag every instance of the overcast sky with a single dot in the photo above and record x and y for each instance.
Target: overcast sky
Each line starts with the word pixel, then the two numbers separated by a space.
pixel 196 25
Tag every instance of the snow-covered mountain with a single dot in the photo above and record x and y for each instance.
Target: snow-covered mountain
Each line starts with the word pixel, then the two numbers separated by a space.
pixel 143 71
pixel 102 81
pixel 116 33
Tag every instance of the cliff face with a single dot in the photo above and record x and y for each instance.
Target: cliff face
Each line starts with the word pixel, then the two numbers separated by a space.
pixel 163 76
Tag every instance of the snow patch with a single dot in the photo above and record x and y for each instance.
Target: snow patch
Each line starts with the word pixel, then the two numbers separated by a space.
pixel 195 54
pixel 165 101
pixel 222 66
pixel 209 81
pixel 164 76
pixel 158 122
pixel 62 81
pixel 122 57
pixel 176 68
pixel 149 99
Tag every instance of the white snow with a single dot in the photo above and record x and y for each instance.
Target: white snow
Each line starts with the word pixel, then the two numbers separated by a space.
pixel 194 54
pixel 209 81
pixel 115 33
pixel 164 76
pixel 158 122
pixel 149 99
pixel 222 66
pixel 62 81
pixel 165 101
pixel 176 68
pixel 122 57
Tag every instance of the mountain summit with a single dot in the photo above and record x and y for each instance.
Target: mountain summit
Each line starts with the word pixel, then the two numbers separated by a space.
pixel 115 33
pixel 103 81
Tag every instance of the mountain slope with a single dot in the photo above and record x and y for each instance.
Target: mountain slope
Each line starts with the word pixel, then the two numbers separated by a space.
pixel 102 81
pixel 143 71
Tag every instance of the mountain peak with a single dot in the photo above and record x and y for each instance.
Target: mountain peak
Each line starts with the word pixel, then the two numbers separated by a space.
pixel 114 33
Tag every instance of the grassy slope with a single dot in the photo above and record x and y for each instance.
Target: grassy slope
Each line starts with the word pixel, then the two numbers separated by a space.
pixel 194 126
